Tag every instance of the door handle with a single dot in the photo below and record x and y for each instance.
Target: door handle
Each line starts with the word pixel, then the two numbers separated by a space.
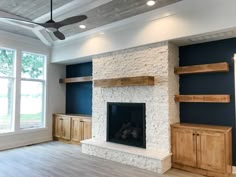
pixel 194 144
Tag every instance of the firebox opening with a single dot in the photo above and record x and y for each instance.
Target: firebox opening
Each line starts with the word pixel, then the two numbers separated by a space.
pixel 126 124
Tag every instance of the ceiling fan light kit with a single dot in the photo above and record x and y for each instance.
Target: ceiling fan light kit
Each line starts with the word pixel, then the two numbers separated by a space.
pixel 52 26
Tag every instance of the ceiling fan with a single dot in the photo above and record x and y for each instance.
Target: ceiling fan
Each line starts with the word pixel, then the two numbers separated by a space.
pixel 51 25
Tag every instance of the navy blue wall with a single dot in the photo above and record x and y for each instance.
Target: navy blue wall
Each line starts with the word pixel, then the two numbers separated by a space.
pixel 79 95
pixel 209 83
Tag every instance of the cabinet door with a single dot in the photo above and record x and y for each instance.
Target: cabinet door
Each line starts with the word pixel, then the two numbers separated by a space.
pixel 87 129
pixel 76 129
pixel 66 125
pixel 184 146
pixel 57 126
pixel 211 151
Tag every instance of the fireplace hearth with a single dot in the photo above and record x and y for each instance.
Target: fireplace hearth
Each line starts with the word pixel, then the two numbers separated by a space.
pixel 126 124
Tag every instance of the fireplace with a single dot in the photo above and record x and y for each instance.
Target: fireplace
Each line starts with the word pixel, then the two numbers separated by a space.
pixel 126 124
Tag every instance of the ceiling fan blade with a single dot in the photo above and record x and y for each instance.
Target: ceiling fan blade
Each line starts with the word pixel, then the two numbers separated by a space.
pixel 59 35
pixel 72 20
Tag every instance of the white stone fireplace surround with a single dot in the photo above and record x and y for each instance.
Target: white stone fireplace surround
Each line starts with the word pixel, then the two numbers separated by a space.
pixel 156 60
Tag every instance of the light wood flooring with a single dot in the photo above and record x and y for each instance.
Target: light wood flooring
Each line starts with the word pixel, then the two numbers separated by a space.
pixel 56 159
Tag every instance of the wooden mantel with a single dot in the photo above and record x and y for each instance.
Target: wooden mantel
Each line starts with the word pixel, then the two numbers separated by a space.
pixel 125 81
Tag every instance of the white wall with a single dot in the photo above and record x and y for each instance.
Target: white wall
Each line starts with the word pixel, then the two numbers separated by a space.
pixel 55 92
pixel 186 18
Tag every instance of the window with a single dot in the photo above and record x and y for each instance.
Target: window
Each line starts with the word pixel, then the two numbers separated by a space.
pixel 32 90
pixel 7 79
pixel 22 96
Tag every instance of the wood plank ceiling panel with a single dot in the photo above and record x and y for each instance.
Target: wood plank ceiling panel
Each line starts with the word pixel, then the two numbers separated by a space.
pixel 30 9
pixel 114 11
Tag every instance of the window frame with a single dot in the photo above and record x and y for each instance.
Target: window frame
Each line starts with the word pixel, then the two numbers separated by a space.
pixel 16 100
pixel 43 81
pixel 13 78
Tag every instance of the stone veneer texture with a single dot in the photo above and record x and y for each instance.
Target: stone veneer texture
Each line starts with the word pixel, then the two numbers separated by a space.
pixel 147 163
pixel 156 60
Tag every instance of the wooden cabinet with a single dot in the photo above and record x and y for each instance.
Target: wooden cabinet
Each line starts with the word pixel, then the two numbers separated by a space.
pixel 66 128
pixel 183 138
pixel 71 128
pixel 86 129
pixel 62 127
pixel 57 127
pixel 76 130
pixel 202 149
pixel 211 151
pixel 80 129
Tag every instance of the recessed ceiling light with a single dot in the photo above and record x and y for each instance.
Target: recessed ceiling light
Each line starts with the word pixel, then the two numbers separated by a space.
pixel 151 3
pixel 82 26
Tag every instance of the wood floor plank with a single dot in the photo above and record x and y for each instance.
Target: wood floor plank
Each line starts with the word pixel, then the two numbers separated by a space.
pixel 56 159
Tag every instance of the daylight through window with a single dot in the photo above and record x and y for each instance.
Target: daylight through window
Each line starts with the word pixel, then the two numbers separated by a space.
pixel 27 89
pixel 7 80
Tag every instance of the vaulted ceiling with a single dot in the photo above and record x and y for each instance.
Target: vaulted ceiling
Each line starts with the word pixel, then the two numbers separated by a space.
pixel 99 12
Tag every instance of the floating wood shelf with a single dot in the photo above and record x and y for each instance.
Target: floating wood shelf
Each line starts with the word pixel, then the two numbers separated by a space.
pixel 203 98
pixel 194 69
pixel 126 81
pixel 76 79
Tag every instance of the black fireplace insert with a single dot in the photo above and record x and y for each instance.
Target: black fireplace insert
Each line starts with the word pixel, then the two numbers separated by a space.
pixel 126 124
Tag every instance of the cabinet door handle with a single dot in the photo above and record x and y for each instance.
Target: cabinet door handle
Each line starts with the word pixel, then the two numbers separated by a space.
pixel 194 148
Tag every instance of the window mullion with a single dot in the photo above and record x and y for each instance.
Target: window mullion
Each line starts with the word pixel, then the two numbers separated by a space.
pixel 17 90
pixel 34 80
pixel 6 77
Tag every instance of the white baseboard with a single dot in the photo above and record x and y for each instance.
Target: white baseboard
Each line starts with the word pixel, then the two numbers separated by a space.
pixel 234 169
pixel 25 143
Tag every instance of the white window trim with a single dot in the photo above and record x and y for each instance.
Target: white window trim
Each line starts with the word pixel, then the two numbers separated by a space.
pixel 14 89
pixel 17 94
pixel 43 81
